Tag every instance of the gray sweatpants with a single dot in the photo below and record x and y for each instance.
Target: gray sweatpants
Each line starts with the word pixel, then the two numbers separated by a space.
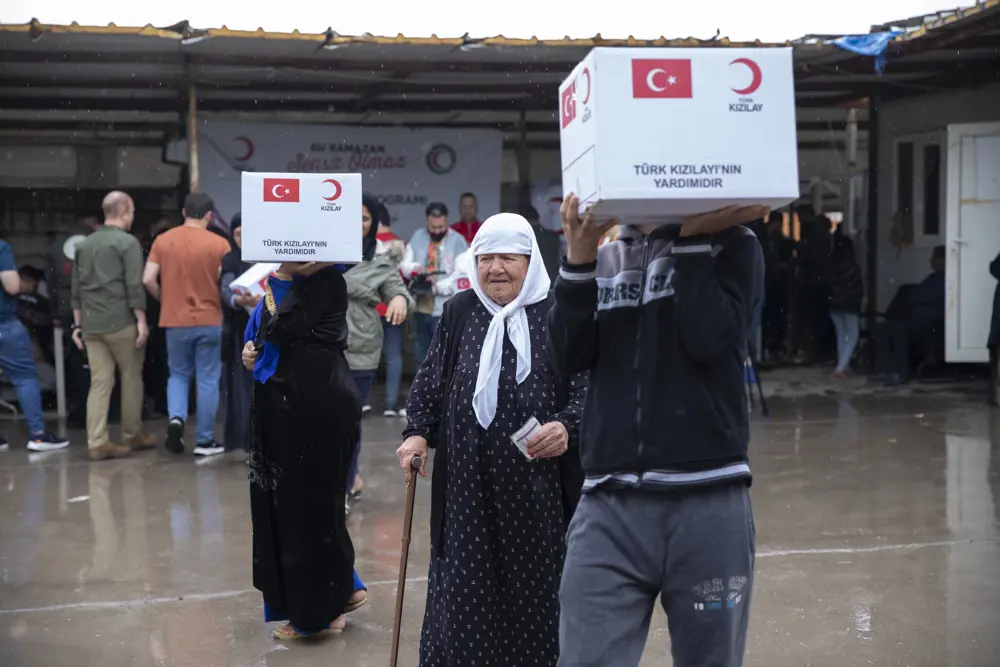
pixel 694 548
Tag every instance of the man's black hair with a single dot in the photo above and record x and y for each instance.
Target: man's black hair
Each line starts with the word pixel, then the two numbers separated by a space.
pixel 775 216
pixel 531 214
pixel 468 194
pixel 436 208
pixel 197 205
pixel 938 252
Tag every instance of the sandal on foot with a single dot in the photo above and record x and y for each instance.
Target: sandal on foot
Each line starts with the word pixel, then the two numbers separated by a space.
pixel 287 632
pixel 355 602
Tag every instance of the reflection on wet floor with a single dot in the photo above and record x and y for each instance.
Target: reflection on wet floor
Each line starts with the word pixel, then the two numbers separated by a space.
pixel 877 527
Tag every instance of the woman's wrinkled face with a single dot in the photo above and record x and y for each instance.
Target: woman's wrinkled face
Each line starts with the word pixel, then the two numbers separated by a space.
pixel 502 276
pixel 238 237
pixel 366 221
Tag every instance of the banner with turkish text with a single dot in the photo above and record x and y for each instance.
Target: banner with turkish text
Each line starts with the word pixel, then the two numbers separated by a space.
pixel 406 168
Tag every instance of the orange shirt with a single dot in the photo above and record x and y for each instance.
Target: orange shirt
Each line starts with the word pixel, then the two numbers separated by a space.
pixel 190 260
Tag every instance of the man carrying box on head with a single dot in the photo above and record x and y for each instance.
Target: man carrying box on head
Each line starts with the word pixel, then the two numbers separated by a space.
pixel 659 318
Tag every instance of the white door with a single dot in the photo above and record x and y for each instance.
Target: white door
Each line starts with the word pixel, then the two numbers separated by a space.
pixel 973 238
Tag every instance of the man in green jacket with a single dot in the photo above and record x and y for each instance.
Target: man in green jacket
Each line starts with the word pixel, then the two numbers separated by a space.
pixel 373 281
pixel 109 318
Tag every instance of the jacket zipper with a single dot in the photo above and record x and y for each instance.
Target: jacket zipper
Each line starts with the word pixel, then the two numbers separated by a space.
pixel 638 346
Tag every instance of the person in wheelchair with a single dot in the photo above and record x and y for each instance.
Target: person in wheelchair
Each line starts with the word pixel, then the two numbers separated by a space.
pixel 915 318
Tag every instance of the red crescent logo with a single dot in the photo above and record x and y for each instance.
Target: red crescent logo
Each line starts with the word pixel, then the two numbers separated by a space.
pixel 586 73
pixel 754 82
pixel 337 192
pixel 248 149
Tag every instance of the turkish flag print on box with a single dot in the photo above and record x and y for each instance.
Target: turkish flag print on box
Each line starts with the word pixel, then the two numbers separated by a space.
pixel 567 105
pixel 658 79
pixel 281 190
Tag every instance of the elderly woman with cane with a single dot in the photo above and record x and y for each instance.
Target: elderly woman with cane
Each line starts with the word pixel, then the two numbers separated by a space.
pixel 506 477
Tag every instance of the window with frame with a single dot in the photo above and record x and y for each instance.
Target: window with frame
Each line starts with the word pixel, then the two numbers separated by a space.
pixel 920 181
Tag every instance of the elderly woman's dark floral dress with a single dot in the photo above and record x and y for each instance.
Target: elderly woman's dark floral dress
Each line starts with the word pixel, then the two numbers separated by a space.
pixel 498 521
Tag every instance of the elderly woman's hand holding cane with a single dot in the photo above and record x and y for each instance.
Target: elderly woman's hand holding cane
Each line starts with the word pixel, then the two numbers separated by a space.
pixel 415 445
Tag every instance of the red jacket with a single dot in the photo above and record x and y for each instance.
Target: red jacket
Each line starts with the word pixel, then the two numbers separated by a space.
pixel 468 230
pixel 385 237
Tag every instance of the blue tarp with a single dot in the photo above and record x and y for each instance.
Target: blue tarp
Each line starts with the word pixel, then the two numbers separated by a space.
pixel 874 45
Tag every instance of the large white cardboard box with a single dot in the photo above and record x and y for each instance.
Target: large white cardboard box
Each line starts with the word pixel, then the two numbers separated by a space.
pixel 301 217
pixel 653 135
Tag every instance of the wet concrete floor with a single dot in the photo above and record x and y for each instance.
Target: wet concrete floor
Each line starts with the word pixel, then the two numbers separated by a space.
pixel 877 528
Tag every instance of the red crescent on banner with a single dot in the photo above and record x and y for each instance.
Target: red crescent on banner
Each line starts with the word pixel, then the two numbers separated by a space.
pixel 248 149
pixel 754 70
pixel 586 73
pixel 337 192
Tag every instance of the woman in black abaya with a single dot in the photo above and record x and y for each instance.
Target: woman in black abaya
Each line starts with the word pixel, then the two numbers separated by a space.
pixel 304 420
pixel 236 380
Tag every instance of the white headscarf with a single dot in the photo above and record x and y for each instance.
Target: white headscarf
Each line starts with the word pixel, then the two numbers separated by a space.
pixel 505 233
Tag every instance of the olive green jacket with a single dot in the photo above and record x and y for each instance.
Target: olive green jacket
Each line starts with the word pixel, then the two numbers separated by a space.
pixel 107 280
pixel 369 284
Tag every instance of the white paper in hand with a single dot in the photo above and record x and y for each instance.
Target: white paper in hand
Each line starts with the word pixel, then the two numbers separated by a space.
pixel 521 436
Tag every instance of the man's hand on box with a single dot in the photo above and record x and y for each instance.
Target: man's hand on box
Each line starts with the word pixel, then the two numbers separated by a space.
pixel 714 222
pixel 582 236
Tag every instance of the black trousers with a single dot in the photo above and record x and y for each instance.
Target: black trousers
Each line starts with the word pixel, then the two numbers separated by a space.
pixel 992 397
pixel 893 342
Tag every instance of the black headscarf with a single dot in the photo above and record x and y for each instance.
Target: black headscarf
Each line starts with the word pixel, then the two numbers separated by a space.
pixel 383 215
pixel 233 261
pixel 368 243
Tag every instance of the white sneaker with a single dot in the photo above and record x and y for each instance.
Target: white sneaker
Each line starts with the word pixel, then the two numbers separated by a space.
pixel 402 414
pixel 211 449
pixel 46 442
pixel 389 413
pixel 366 408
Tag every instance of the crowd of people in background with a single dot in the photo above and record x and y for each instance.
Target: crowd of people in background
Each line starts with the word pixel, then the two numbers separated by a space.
pixel 192 327
pixel 814 304
pixel 155 309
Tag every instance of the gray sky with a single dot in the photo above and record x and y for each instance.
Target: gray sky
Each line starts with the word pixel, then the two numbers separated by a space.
pixel 768 20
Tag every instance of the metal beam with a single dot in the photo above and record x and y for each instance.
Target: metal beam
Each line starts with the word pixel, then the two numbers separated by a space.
pixel 331 62
pixel 951 34
pixel 372 89
pixel 373 92
pixel 539 103
pixel 829 100
pixel 168 126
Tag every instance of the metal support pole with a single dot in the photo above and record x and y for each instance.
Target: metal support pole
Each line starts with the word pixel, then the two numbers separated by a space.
pixel 523 164
pixel 871 222
pixel 192 138
pixel 60 354
pixel 852 139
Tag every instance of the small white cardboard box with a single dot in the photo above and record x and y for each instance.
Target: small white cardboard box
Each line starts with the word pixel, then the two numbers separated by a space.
pixel 301 217
pixel 654 135
pixel 252 280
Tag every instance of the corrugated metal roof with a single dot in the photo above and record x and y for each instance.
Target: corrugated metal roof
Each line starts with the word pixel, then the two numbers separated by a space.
pixel 920 26
pixel 184 30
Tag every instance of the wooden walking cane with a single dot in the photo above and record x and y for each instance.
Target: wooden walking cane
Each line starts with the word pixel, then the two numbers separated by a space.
pixel 411 489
